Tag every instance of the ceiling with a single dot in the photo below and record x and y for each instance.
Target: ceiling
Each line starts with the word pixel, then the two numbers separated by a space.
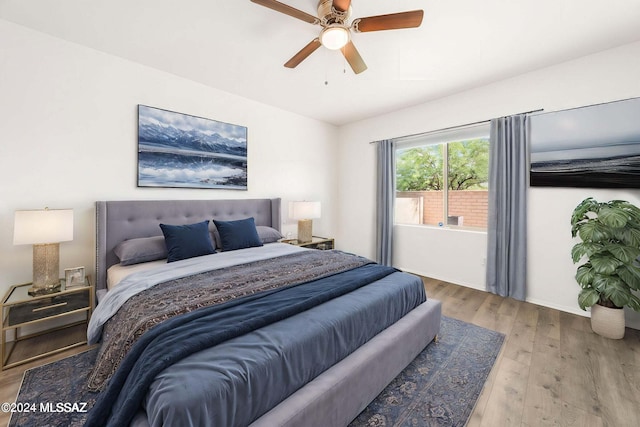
pixel 240 47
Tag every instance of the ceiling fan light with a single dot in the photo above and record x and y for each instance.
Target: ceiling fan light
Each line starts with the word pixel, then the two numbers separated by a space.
pixel 334 37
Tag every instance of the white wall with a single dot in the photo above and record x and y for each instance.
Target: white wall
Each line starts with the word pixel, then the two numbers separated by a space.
pixel 456 257
pixel 68 137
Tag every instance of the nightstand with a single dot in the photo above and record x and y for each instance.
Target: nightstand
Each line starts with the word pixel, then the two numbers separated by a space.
pixel 20 310
pixel 316 242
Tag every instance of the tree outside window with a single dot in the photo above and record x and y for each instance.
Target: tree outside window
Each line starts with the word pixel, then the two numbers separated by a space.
pixel 422 196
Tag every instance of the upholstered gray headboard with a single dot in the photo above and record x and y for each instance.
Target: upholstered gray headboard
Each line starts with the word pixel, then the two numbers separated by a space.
pixel 117 221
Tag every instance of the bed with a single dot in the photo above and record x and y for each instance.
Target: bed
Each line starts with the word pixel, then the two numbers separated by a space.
pixel 318 365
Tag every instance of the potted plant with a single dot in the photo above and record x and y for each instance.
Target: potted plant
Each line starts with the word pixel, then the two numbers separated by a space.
pixel 610 234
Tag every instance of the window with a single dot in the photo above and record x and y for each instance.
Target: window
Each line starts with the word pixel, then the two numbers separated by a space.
pixel 442 178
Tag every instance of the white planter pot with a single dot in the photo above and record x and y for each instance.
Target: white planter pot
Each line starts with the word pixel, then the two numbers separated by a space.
pixel 607 322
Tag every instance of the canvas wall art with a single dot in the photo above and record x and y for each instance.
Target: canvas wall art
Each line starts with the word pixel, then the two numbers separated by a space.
pixel 597 146
pixel 180 150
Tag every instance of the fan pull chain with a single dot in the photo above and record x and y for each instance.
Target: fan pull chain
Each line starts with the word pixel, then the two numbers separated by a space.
pixel 326 77
pixel 344 64
pixel 326 69
pixel 327 62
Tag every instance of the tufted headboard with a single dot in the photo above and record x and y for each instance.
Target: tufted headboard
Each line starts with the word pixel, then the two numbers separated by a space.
pixel 117 221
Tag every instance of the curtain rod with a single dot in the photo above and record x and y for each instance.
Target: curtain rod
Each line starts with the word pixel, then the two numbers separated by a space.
pixel 432 132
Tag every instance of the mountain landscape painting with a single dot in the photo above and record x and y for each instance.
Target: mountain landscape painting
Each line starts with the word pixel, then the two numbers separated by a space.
pixel 179 150
pixel 597 146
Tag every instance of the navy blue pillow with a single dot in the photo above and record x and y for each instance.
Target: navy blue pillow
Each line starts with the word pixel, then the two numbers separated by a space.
pixel 187 241
pixel 238 234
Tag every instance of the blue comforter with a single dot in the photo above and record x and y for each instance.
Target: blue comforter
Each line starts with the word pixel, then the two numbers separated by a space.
pixel 166 344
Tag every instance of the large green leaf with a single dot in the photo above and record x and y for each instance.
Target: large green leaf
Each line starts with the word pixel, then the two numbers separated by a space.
pixel 631 209
pixel 592 249
pixel 603 281
pixel 580 212
pixel 630 275
pixel 634 303
pixel 575 228
pixel 614 217
pixel 626 254
pixel 629 236
pixel 577 252
pixel 587 298
pixel 634 269
pixel 618 293
pixel 585 275
pixel 604 263
pixel 594 231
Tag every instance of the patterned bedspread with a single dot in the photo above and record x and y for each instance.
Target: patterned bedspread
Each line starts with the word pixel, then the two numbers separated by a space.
pixel 223 286
pixel 170 342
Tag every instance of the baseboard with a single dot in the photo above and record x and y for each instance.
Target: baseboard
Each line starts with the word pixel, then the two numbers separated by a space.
pixel 572 310
pixel 630 323
pixel 444 279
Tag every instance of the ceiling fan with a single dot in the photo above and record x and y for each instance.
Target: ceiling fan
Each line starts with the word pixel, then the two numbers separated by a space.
pixel 336 32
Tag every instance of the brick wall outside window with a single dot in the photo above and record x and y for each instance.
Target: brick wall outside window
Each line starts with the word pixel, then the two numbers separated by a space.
pixel 471 205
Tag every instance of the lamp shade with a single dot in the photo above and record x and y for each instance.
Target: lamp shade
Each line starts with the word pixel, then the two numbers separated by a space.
pixel 304 210
pixel 43 226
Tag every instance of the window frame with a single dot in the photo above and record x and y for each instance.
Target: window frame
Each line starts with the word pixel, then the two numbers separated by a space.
pixel 443 137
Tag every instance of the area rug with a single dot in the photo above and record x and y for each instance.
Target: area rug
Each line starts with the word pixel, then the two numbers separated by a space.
pixel 439 388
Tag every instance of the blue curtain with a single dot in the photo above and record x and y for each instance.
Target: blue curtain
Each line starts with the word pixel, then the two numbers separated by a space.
pixel 507 223
pixel 385 199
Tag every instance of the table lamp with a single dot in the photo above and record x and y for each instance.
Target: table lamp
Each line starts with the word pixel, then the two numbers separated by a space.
pixel 304 212
pixel 44 229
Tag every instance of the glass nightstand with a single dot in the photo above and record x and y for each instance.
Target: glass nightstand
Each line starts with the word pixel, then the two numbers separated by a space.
pixel 322 243
pixel 20 310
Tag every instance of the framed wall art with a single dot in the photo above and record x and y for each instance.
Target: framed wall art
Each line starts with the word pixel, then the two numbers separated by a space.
pixel 179 150
pixel 597 146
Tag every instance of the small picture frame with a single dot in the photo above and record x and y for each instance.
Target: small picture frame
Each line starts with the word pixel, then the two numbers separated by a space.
pixel 74 277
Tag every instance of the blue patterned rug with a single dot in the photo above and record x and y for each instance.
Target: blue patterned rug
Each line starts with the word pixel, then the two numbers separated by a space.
pixel 439 388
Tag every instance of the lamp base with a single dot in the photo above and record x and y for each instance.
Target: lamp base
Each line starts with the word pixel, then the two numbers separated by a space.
pixel 35 291
pixel 46 269
pixel 304 230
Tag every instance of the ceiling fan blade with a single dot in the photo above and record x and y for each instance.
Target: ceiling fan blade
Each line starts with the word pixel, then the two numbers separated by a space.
pixel 353 57
pixel 287 10
pixel 303 54
pixel 341 5
pixel 392 21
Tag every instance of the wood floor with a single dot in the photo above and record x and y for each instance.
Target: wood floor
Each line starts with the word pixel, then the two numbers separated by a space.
pixel 552 369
